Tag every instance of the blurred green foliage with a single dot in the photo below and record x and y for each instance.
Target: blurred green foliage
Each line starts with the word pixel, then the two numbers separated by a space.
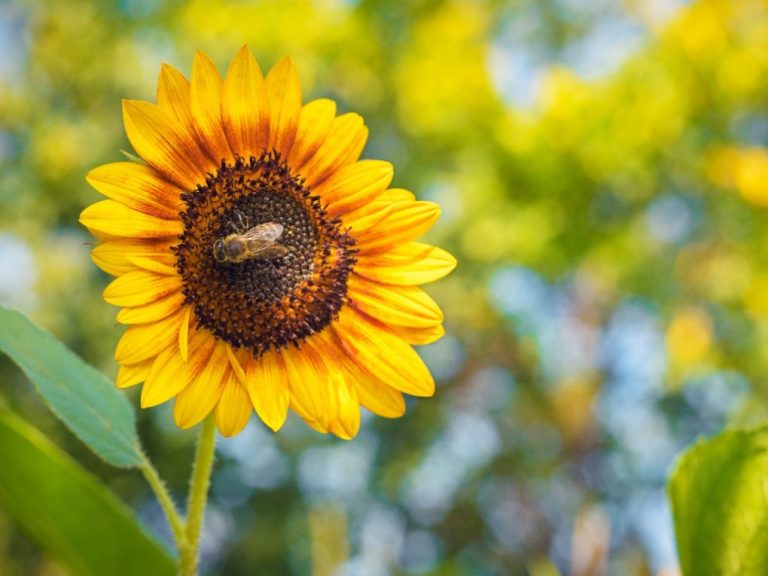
pixel 604 179
pixel 50 496
pixel 722 535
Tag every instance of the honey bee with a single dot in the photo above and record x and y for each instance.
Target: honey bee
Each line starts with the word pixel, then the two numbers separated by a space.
pixel 257 243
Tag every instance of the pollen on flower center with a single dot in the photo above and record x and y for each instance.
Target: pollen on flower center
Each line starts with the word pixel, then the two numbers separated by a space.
pixel 262 303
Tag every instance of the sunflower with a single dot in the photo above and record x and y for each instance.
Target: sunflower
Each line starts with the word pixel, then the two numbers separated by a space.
pixel 260 264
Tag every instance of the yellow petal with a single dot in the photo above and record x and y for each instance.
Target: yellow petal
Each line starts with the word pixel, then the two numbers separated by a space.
pixel 184 334
pixel 382 354
pixel 407 265
pixel 173 95
pixel 165 145
pixel 347 423
pixel 418 336
pixel 284 94
pixel 311 385
pixel 380 205
pixel 362 221
pixel 140 287
pixel 342 146
pixel 116 219
pixel 399 195
pixel 197 400
pixel 373 394
pixel 407 221
pixel 205 102
pixel 153 265
pixel 132 374
pixel 267 384
pixel 170 374
pixel 237 368
pixel 314 123
pixel 308 419
pixel 319 391
pixel 406 306
pixel 143 341
pixel 245 109
pixel 138 187
pixel 234 408
pixel 152 312
pixel 355 185
pixel 114 256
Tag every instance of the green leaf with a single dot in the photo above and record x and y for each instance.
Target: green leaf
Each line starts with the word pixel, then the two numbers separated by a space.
pixel 68 512
pixel 719 492
pixel 78 394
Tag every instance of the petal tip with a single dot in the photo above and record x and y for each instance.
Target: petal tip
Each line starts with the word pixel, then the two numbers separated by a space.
pixel 183 418
pixel 226 431
pixel 451 262
pixel 200 60
pixel 287 63
pixel 132 106
pixel 90 177
pixel 146 400
pixel 275 424
pixel 243 52
pixel 83 217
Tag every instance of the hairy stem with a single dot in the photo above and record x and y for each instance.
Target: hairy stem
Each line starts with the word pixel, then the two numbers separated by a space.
pixel 198 496
pixel 166 501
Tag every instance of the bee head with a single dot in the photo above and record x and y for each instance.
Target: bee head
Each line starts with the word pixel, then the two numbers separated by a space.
pixel 218 251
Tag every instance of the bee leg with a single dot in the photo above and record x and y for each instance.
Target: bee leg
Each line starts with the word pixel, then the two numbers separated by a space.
pixel 237 223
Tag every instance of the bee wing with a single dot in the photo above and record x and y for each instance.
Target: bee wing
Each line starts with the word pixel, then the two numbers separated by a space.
pixel 274 251
pixel 268 232
pixel 262 241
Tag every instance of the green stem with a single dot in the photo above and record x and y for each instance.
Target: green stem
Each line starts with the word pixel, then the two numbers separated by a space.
pixel 198 495
pixel 166 502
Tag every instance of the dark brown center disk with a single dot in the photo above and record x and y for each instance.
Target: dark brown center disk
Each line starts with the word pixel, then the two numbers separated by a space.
pixel 262 303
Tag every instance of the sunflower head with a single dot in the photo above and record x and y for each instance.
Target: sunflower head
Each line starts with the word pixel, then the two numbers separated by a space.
pixel 260 264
